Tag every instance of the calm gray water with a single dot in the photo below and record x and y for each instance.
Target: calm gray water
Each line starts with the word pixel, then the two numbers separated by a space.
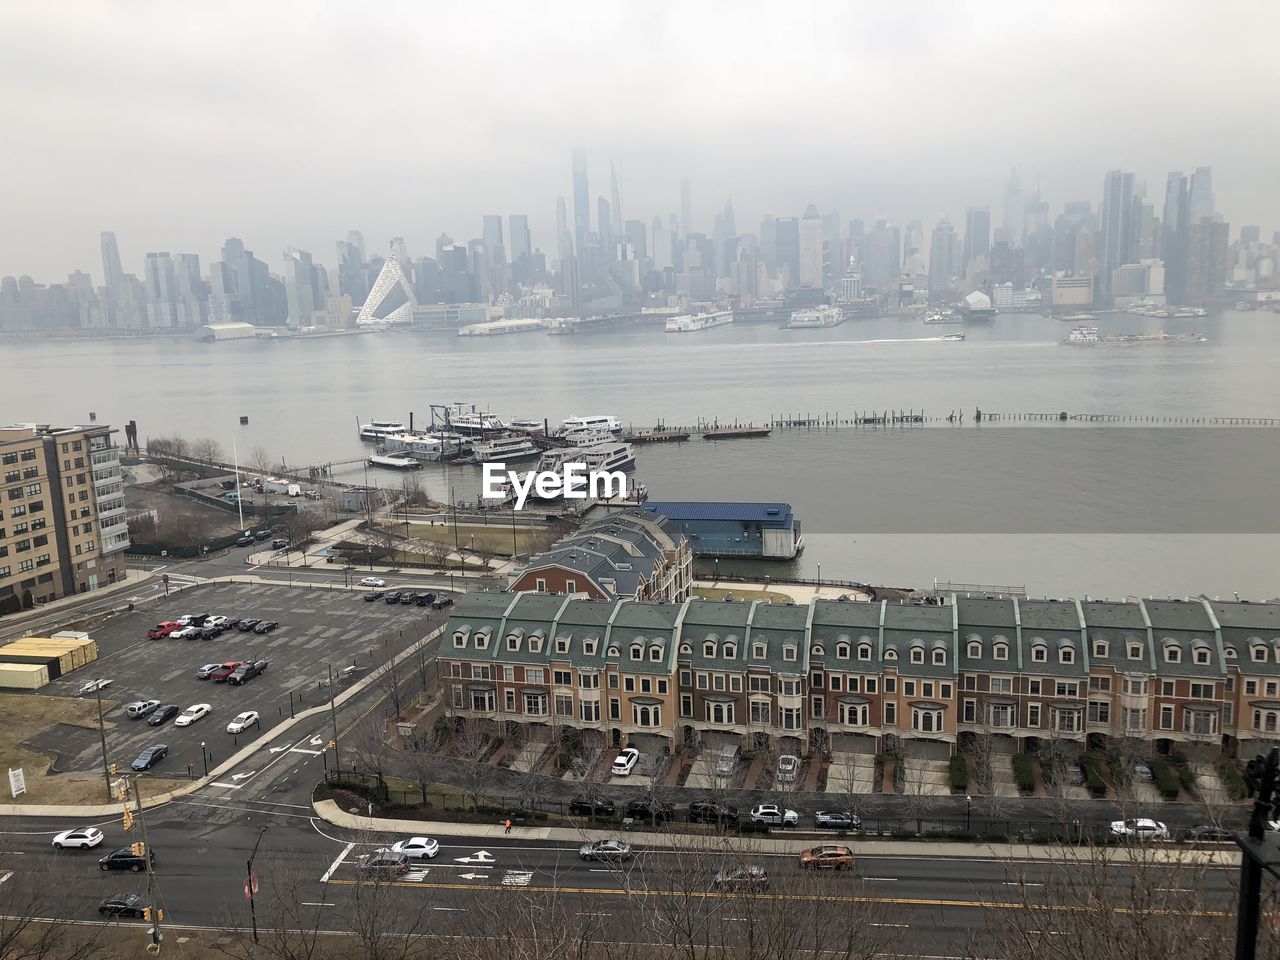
pixel 1107 511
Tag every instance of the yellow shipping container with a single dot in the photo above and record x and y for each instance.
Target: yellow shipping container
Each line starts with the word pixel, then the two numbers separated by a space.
pixel 66 660
pixel 23 676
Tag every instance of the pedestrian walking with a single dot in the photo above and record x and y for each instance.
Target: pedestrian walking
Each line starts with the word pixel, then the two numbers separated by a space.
pixel 507 825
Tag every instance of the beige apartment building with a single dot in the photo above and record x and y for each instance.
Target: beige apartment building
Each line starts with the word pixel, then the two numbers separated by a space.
pixel 63 529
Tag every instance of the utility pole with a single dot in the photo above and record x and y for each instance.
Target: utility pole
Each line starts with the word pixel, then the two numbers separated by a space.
pixel 156 936
pixel 251 883
pixel 102 735
pixel 1261 850
pixel 333 717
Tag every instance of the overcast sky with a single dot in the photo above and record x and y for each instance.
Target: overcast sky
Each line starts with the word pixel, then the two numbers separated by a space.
pixel 177 125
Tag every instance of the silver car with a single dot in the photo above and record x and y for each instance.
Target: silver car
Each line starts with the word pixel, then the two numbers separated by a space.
pixel 141 708
pixel 613 851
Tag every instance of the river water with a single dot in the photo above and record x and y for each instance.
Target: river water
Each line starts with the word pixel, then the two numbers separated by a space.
pixel 1134 508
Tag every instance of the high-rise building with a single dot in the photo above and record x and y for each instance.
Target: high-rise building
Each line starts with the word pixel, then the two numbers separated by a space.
pixel 686 207
pixel 811 256
pixel 162 292
pixel 615 202
pixel 193 291
pixel 769 245
pixel 111 269
pixel 564 240
pixel 883 256
pixel 1012 213
pixel 604 219
pixel 1117 222
pixel 305 287
pixel 65 530
pixel 944 251
pixel 581 202
pixel 242 290
pixel 635 234
pixel 491 232
pixel 1174 236
pixel 1207 264
pixel 787 250
pixel 723 233
pixel 352 281
pixel 1006 264
pixel 832 248
pixel 521 247
pixel 1200 197
pixel 1250 236
pixel 977 236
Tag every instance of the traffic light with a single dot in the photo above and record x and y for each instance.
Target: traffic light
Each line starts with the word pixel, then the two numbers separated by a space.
pixel 146 913
pixel 115 768
pixel 128 819
pixel 138 848
pixel 160 913
pixel 331 745
pixel 122 793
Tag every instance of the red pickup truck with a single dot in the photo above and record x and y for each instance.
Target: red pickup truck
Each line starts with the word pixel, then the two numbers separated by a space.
pixel 162 629
pixel 227 669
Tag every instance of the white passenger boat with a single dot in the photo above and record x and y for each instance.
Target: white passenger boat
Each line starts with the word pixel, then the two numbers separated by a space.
pixel 815 317
pixel 1083 335
pixel 394 463
pixel 375 431
pixel 505 450
pixel 692 323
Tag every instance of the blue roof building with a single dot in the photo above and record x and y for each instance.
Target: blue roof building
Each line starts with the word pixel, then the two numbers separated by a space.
pixel 768 531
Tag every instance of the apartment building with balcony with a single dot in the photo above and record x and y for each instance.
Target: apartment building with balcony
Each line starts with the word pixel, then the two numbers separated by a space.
pixel 62 515
pixel 1200 676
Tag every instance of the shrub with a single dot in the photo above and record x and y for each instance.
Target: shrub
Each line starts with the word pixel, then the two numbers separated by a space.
pixel 1187 776
pixel 959 774
pixel 1023 773
pixel 1166 780
pixel 1231 777
pixel 1093 779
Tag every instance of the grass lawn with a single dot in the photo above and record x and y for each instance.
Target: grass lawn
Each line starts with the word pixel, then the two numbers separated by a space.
pixel 494 538
pixel 716 593
pixel 23 716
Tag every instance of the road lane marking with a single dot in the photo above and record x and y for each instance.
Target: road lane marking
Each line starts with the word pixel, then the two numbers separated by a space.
pixel 314 753
pixel 480 856
pixel 229 786
pixel 903 925
pixel 237 806
pixel 312 903
pixel 337 862
pixel 881 879
pixel 450 909
pixel 5 876
pixel 1021 883
pixel 517 878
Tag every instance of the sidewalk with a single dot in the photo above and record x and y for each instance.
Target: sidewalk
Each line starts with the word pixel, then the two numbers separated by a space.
pixel 65 608
pixel 329 811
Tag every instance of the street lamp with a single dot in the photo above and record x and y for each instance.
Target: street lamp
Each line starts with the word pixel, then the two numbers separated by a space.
pixel 102 735
pixel 205 755
pixel 968 812
pixel 250 884
pixel 819 576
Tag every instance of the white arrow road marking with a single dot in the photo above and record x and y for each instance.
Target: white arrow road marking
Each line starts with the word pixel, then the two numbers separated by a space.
pixel 337 863
pixel 314 753
pixel 517 878
pixel 316 741
pixel 5 876
pixel 474 876
pixel 480 856
pixel 229 786
pixel 243 776
pixel 452 909
pixel 280 749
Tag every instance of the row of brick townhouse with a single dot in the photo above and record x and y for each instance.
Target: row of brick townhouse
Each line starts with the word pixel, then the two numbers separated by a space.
pixel 870 677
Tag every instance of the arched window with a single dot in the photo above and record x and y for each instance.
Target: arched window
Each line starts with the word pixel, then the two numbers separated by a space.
pixel 864 651
pixel 482 640
pixel 1067 655
pixel 730 651
pixel 939 658
pixel 1270 725
pixel 1000 651
pixel 637 651
pixel 975 650
pixel 889 654
pixel 819 650
pixel 686 649
pixel 615 652
pixel 709 649
pixel 842 651
pixel 459 639
pixel 917 655
pixel 645 715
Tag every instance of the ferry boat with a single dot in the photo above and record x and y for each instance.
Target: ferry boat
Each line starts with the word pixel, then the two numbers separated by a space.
pixel 505 450
pixel 476 422
pixel 611 455
pixel 1185 312
pixel 580 426
pixel 692 323
pixel 394 463
pixel 375 431
pixel 425 446
pixel 1077 318
pixel 815 317
pixel 534 428
pixel 1083 335
pixel 943 316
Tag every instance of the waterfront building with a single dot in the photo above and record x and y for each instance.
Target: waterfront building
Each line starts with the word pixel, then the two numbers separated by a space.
pixel 923 680
pixel 435 315
pixel 739 530
pixel 628 555
pixel 1068 291
pixel 62 515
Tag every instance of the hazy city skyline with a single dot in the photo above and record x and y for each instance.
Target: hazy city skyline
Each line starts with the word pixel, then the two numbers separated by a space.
pixel 286 154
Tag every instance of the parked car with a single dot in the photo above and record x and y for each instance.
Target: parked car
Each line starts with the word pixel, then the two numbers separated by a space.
pixel 81 838
pixel 247 624
pixel 831 856
pixel 245 541
pixel 162 629
pixel 192 619
pixel 408 597
pixel 654 812
pixel 746 877
pixel 212 632
pixel 1142 773
pixel 207 670
pixel 425 599
pixel 1208 833
pixel 126 859
pixel 774 815
pixel 1140 828
pixel 625 762
pixel 279 543
pixel 708 811
pixel 727 762
pixel 163 714
pixel 371 596
pixel 788 768
pixel 1075 775
pixel 417 848
pixel 227 669
pixel 243 721
pixel 265 626
pixel 246 672
pixel 836 820
pixel 193 713
pixel 184 633
pixel 373 582
pixel 587 807
pixel 383 863
pixel 439 603
pixel 141 708
pixel 150 757
pixel 123 905
pixel 612 851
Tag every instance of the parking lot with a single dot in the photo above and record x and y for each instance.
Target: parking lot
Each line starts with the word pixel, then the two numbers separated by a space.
pixel 319 629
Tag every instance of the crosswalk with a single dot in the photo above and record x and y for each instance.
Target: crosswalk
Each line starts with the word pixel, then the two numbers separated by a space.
pixel 517 878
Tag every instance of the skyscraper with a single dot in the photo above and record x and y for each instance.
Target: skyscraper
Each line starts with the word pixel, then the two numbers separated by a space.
pixel 1201 195
pixel 581 202
pixel 352 281
pixel 635 234
pixel 977 236
pixel 1173 237
pixel 1206 260
pixel 521 247
pixel 304 288
pixel 686 208
pixel 111 269
pixel 604 221
pixel 943 251
pixel 564 241
pixel 1011 221
pixel 832 258
pixel 1117 220
pixel 162 292
pixel 811 245
pixel 615 194
pixel 787 249
pixel 491 232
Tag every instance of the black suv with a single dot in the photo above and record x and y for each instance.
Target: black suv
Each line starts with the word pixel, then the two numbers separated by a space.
pixel 126 859
pixel 391 596
pixel 247 624
pixel 246 672
pixel 439 603
pixel 708 811
pixel 654 812
pixel 586 807
pixel 167 712
pixel 211 633
pixel 425 599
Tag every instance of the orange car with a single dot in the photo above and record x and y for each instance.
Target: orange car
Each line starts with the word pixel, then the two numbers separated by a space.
pixel 162 629
pixel 831 856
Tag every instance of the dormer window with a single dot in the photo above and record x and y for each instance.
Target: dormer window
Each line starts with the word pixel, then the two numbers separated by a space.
pixel 1258 653
pixel 1229 653
pixel 459 639
pixel 655 654
pixel 1039 653
pixel 975 650
pixel 535 644
pixel 562 644
pixel 1202 656
pixel 819 650
pixel 730 651
pixel 759 651
pixel 686 650
pixel 615 652
pixel 1101 648
pixel 1067 655
pixel 709 649
pixel 889 654
pixel 513 642
pixel 789 652
pixel 482 641
pixel 1000 651
pixel 589 648
pixel 939 658
pixel 1172 654
pixel 917 655
pixel 637 651
pixel 864 651
pixel 1135 651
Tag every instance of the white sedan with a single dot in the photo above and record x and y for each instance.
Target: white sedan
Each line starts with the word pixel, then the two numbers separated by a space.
pixel 82 838
pixel 626 762
pixel 193 713
pixel 775 815
pixel 243 721
pixel 182 633
pixel 1140 829
pixel 417 848
pixel 373 582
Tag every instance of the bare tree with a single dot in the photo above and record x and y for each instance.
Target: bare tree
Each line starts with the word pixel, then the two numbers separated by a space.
pixel 287 930
pixel 260 461
pixel 206 450
pixel 438 551
pixel 389 922
pixel 390 681
pixel 471 745
pixel 371 751
pixel 28 898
